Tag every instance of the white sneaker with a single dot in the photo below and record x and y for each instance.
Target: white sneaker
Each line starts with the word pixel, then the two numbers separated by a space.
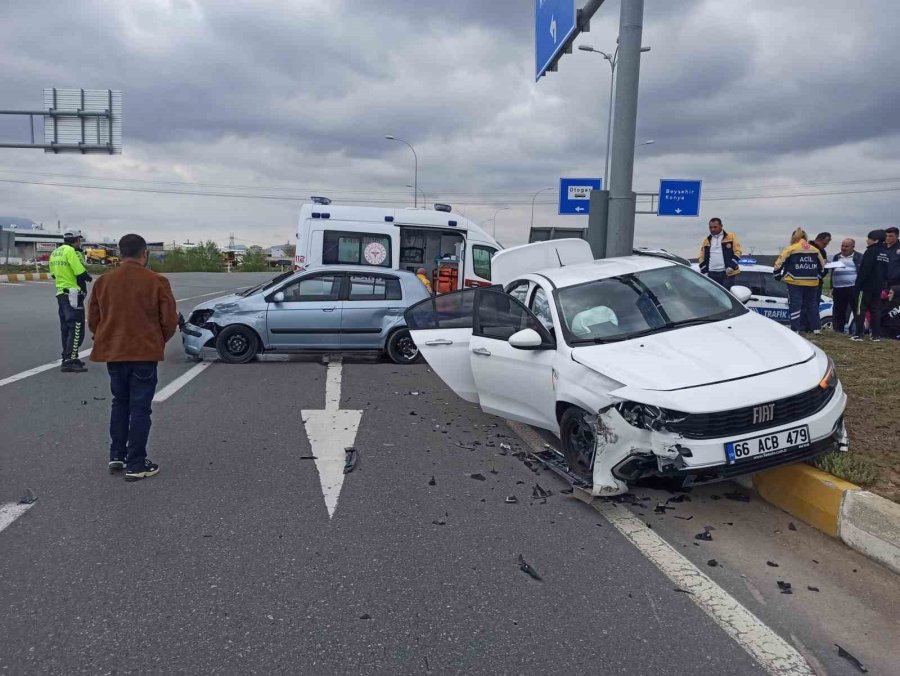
pixel 817 332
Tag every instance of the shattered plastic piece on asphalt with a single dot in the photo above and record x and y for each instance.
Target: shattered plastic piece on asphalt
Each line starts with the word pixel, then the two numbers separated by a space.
pixel 785 587
pixel 705 535
pixel 99 398
pixel 684 518
pixel 815 589
pixel 29 498
pixel 505 447
pixel 661 508
pixel 683 591
pixel 365 616
pixel 511 500
pixel 439 522
pixel 432 482
pixel 737 496
pixel 851 659
pixel 567 491
pixel 527 569
pixel 477 477
pixel 683 497
pixel 351 459
pixel 791 526
pixel 712 563
pixel 308 457
pixel 539 493
pixel 771 564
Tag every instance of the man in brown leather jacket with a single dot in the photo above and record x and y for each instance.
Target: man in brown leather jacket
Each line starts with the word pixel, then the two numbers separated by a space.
pixel 131 316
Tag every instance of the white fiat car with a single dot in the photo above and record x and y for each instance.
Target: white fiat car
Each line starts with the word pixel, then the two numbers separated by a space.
pixel 639 365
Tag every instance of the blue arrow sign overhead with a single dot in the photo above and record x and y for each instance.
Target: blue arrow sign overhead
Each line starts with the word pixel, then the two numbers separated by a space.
pixel 679 197
pixel 554 23
pixel 575 195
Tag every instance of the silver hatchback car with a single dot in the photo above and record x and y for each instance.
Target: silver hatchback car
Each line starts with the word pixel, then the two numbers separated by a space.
pixel 332 309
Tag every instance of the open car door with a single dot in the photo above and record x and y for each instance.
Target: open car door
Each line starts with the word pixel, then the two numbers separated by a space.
pixel 441 327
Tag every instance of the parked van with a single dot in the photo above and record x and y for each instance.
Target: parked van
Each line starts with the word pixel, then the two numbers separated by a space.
pixel 455 252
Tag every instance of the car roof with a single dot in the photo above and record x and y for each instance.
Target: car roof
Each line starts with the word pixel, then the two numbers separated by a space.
pixel 579 273
pixel 367 269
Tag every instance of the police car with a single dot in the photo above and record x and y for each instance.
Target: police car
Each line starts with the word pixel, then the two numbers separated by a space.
pixel 770 295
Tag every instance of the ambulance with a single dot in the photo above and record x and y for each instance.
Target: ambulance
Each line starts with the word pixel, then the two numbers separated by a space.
pixel 455 252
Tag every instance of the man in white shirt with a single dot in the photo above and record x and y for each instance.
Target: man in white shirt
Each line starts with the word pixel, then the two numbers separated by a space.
pixel 843 281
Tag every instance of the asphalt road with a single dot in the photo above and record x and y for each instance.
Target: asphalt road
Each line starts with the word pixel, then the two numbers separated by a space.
pixel 227 562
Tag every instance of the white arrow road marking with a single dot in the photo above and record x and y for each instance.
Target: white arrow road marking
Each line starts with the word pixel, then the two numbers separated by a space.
pixel 10 512
pixel 329 433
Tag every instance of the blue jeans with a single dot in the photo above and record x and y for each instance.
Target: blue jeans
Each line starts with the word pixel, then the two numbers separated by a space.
pixel 133 384
pixel 803 304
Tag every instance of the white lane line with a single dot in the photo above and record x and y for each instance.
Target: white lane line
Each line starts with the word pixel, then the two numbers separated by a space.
pixel 11 511
pixel 776 655
pixel 772 652
pixel 38 369
pixel 181 381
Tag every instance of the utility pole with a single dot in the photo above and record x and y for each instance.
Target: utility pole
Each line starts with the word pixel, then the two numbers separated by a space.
pixel 620 235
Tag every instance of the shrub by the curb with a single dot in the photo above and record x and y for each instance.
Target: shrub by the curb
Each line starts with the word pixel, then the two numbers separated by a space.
pixel 852 467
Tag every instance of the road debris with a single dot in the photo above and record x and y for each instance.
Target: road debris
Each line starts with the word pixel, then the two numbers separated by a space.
pixel 439 522
pixel 539 493
pixel 350 459
pixel 705 535
pixel 791 526
pixel 684 518
pixel 771 564
pixel 682 497
pixel 477 477
pixel 365 616
pixel 527 569
pixel 431 481
pixel 851 659
pixel 785 587
pixel 511 500
pixel 661 508
pixel 683 591
pixel 712 563
pixel 813 589
pixel 737 496
pixel 28 498
pixel 308 457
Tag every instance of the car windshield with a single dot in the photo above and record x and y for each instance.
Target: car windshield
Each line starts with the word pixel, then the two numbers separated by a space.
pixel 265 285
pixel 638 304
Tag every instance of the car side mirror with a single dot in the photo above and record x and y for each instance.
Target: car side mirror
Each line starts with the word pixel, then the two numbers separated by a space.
pixel 278 297
pixel 526 339
pixel 742 293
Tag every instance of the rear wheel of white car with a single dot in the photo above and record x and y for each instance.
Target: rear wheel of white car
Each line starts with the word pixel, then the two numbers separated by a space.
pixel 401 348
pixel 237 344
pixel 578 441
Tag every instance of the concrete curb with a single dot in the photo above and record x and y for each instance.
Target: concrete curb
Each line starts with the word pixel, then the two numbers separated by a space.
pixel 864 521
pixel 25 277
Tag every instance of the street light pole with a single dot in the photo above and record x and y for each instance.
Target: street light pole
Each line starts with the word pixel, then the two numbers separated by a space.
pixel 494 229
pixel 390 137
pixel 424 196
pixel 534 198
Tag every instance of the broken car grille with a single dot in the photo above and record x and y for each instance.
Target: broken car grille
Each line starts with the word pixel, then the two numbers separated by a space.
pixel 741 420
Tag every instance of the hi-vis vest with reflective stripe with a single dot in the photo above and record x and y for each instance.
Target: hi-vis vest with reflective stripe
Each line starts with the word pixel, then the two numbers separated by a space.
pixel 800 264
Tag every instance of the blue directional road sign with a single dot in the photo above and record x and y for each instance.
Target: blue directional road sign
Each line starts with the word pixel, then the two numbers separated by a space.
pixel 679 197
pixel 554 23
pixel 575 195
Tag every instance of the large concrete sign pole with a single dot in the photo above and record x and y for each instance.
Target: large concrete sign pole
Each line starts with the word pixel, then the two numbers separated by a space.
pixel 620 235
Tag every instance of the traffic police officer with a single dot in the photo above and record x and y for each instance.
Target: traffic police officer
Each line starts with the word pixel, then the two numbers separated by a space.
pixel 67 269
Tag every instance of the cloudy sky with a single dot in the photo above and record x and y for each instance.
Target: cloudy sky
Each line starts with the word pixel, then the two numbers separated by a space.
pixel 786 111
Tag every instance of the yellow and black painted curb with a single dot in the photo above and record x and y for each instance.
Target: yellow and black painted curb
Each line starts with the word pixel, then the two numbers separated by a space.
pixel 25 277
pixel 865 522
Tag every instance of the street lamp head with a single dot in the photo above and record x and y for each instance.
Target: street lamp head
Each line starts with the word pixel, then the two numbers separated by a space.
pixel 586 48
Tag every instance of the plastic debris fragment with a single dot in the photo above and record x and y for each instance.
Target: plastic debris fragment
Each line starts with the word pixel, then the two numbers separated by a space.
pixel 28 498
pixel 712 563
pixel 851 659
pixel 511 500
pixel 705 535
pixel 350 459
pixel 477 477
pixel 785 587
pixel 771 564
pixel 527 569
pixel 431 481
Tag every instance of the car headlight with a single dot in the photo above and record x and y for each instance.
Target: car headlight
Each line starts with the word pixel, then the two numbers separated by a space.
pixel 647 417
pixel 200 317
pixel 829 380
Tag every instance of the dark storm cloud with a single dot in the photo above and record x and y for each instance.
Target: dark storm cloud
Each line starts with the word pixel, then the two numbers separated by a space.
pixel 302 93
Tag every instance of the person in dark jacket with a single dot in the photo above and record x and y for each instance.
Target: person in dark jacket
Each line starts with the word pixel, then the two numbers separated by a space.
pixel 892 248
pixel 719 254
pixel 843 283
pixel 821 242
pixel 870 284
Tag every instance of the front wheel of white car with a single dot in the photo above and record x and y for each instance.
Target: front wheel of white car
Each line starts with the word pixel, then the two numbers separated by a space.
pixel 579 441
